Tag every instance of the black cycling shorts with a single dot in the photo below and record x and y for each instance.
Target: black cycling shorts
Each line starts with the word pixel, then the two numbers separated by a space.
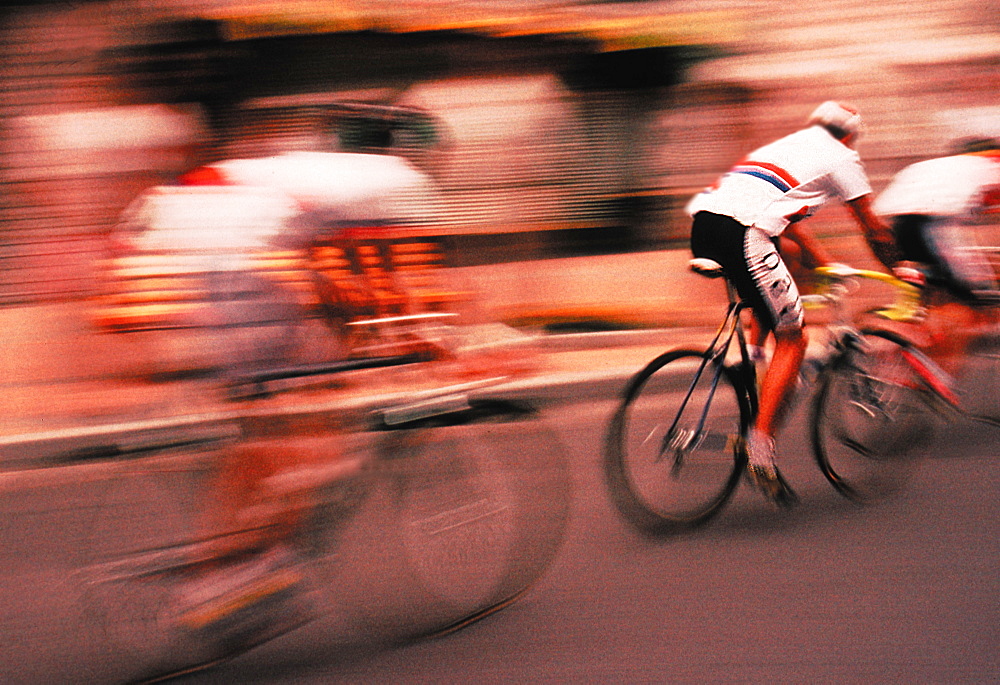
pixel 754 267
pixel 925 239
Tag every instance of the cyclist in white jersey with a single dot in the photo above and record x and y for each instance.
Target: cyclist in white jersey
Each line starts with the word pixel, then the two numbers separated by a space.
pixel 931 205
pixel 737 222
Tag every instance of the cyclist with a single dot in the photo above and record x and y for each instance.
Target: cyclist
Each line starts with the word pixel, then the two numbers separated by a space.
pixel 930 205
pixel 737 222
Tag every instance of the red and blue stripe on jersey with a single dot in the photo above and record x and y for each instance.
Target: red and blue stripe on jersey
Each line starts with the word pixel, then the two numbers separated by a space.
pixel 773 174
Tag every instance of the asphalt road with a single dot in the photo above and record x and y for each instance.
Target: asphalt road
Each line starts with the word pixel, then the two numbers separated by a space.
pixel 906 591
pixel 903 592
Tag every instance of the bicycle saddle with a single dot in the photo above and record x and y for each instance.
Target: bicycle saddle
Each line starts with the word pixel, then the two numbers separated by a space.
pixel 706 267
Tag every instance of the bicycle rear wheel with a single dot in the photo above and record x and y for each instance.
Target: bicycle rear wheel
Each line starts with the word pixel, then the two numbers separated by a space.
pixel 662 470
pixel 867 416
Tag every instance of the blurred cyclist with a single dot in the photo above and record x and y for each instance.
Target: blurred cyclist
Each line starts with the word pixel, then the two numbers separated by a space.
pixel 737 223
pixel 930 205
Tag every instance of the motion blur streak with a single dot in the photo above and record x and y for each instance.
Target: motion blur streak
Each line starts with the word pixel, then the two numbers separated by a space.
pixel 200 194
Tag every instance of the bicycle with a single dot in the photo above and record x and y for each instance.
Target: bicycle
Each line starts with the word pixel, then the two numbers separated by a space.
pixel 443 528
pixel 674 463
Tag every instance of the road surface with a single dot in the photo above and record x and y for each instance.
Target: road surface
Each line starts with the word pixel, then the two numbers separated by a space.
pixel 906 591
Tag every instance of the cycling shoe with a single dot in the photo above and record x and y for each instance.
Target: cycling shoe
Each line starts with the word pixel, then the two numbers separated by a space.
pixel 768 479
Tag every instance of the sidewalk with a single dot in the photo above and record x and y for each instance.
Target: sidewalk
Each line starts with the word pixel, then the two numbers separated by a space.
pixel 66 389
pixel 62 382
pixel 642 289
pixel 77 420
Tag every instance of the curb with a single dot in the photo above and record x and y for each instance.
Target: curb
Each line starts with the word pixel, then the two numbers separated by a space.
pixel 108 446
pixel 117 442
pixel 619 338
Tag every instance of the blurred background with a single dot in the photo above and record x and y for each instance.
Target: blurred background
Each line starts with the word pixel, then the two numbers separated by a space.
pixel 228 183
pixel 527 135
pixel 550 128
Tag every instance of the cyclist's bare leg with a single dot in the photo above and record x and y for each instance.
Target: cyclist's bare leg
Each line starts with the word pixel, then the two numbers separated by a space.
pixel 265 486
pixel 243 515
pixel 756 337
pixel 780 380
pixel 246 580
pixel 776 390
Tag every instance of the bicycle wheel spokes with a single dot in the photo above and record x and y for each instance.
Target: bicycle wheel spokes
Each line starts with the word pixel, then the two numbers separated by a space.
pixel 867 418
pixel 671 457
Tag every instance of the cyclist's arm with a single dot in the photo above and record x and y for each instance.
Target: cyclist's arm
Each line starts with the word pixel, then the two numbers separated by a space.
pixel 813 254
pixel 878 235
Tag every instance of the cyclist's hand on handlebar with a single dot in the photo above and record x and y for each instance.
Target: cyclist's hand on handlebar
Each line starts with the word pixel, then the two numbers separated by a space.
pixel 837 270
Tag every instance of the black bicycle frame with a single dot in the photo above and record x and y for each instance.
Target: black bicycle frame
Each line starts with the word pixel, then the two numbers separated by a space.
pixel 716 354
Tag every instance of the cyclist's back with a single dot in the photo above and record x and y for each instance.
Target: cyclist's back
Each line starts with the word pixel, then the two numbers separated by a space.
pixel 786 181
pixel 959 186
pixel 931 203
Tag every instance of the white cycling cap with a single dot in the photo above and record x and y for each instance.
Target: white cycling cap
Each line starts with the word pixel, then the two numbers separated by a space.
pixel 839 119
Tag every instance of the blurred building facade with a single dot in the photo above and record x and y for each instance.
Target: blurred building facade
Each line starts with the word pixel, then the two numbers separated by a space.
pixel 555 126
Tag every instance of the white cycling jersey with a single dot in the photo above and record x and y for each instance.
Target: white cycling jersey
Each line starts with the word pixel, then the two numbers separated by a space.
pixel 786 181
pixel 958 186
pixel 932 204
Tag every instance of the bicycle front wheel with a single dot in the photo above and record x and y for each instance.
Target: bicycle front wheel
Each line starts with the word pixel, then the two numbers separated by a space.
pixel 477 507
pixel 672 456
pixel 867 416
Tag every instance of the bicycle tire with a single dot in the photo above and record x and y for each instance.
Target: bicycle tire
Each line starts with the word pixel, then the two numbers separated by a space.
pixel 478 505
pixel 657 494
pixel 867 416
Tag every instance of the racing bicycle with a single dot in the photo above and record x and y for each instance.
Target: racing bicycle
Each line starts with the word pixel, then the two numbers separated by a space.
pixel 675 446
